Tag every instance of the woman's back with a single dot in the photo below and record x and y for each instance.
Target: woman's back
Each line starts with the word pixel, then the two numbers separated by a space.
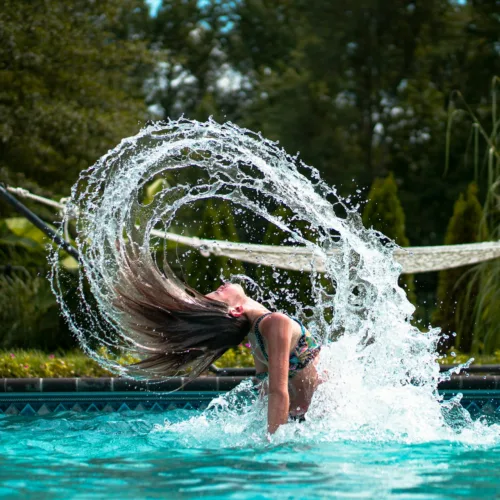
pixel 303 357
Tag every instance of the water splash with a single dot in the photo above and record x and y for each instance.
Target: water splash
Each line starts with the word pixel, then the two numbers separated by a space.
pixel 381 370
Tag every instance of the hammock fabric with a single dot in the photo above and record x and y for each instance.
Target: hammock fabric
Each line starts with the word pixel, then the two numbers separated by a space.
pixel 413 259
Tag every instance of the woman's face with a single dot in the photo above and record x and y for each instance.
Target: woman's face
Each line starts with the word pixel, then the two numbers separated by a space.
pixel 230 293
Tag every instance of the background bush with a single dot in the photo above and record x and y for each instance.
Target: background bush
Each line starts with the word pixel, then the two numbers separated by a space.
pixel 236 357
pixel 464 227
pixel 18 363
pixel 32 363
pixel 384 212
pixel 27 363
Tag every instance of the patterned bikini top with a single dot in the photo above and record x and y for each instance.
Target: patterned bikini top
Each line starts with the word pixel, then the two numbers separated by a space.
pixel 303 353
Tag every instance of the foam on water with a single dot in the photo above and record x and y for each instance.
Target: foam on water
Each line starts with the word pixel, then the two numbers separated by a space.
pixel 381 371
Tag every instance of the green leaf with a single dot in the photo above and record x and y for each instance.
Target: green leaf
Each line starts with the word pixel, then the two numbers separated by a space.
pixel 70 263
pixel 24 229
pixel 154 188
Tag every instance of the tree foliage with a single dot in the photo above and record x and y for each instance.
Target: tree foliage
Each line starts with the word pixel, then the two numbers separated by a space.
pixel 69 87
pixel 384 212
pixel 205 273
pixel 362 89
pixel 287 286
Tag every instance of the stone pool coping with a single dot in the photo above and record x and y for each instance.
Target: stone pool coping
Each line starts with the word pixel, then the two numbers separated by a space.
pixel 201 384
pixel 117 384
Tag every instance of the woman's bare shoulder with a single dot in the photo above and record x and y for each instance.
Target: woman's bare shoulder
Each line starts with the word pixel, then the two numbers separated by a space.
pixel 276 323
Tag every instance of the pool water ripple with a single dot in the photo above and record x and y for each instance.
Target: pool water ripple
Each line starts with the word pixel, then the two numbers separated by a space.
pixel 124 456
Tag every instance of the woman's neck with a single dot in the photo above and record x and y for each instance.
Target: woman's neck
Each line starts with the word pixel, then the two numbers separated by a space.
pixel 254 310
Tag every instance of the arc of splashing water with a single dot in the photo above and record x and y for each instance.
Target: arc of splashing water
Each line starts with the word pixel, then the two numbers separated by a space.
pixel 105 201
pixel 377 385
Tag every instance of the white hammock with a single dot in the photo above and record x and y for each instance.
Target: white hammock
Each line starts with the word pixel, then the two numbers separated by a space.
pixel 413 259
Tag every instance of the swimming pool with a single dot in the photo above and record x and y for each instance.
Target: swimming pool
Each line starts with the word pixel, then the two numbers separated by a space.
pixel 73 439
pixel 132 455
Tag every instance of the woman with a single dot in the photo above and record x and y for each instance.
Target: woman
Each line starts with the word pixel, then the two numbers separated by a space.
pixel 284 352
pixel 175 328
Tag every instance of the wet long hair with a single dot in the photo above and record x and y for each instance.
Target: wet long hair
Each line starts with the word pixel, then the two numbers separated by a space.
pixel 174 328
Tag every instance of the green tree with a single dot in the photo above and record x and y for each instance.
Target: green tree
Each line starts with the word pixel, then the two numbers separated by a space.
pixel 29 313
pixel 335 77
pixel 284 286
pixel 450 315
pixel 364 88
pixel 69 87
pixel 384 213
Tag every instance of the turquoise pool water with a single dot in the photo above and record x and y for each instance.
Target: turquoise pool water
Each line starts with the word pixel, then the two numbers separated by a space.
pixel 132 455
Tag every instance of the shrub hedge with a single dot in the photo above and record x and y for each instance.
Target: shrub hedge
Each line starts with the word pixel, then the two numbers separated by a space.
pixel 19 363
pixel 22 363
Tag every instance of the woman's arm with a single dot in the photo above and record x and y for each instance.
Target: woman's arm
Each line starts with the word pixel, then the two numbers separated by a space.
pixel 277 330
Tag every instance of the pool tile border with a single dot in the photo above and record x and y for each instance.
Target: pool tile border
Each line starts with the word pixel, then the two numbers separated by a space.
pixel 480 404
pixel 48 403
pixel 39 397
pixel 472 382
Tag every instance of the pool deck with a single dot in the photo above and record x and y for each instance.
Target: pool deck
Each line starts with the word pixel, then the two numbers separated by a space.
pixel 42 396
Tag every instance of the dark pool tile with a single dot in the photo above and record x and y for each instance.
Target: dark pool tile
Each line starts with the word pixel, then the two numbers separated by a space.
pixel 2 384
pixel 480 383
pixel 454 384
pixel 236 372
pixel 125 384
pixel 203 384
pixel 228 383
pixel 94 384
pixel 59 385
pixel 172 384
pixel 23 385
